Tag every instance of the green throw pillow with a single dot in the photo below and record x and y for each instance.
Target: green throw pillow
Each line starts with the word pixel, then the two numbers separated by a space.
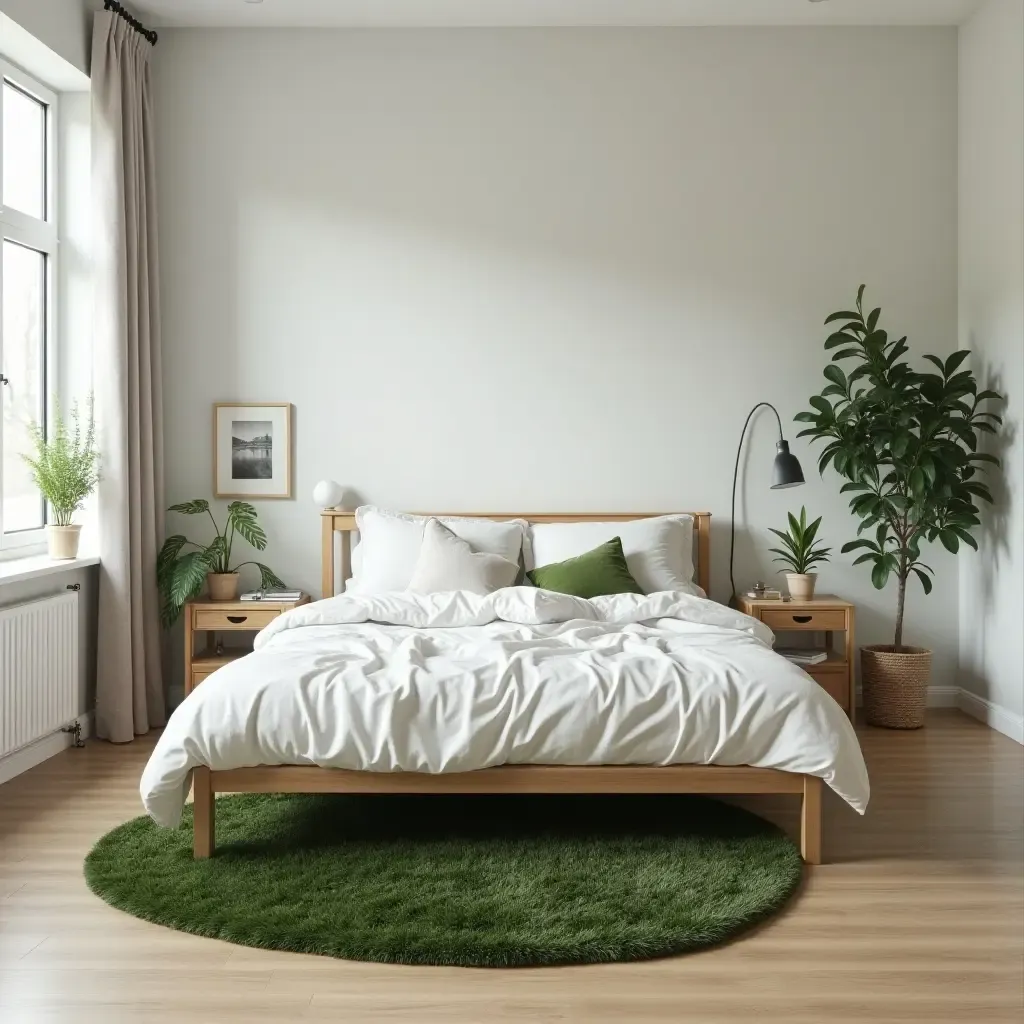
pixel 597 572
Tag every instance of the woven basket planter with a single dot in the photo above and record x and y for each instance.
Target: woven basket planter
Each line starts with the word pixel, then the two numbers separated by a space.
pixel 895 685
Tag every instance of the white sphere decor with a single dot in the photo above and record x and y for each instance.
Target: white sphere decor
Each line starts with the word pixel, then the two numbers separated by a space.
pixel 328 493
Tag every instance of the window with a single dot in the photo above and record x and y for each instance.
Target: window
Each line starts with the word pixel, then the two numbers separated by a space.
pixel 28 236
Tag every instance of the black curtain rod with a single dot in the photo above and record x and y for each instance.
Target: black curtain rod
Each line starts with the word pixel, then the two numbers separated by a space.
pixel 113 5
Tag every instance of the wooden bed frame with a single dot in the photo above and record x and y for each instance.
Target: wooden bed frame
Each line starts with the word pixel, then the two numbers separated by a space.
pixel 702 779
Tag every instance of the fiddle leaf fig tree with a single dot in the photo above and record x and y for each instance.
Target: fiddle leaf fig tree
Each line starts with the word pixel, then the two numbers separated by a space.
pixel 906 442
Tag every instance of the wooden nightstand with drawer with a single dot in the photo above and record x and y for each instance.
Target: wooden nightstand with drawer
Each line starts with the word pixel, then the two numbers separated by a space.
pixel 824 614
pixel 213 617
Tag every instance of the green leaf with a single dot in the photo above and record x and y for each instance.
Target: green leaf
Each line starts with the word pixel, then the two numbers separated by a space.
pixel 861 542
pixel 880 574
pixel 217 555
pixel 835 375
pixel 242 516
pixel 191 508
pixel 860 299
pixel 184 583
pixel 954 361
pixel 926 583
pixel 835 340
pixel 965 536
pixel 841 315
pixel 268 578
pixel 821 405
pixel 949 540
pixel 168 555
pixel 845 353
pixel 937 361
pixel 873 318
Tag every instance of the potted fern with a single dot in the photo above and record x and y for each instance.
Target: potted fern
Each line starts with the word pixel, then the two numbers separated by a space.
pixel 800 554
pixel 906 443
pixel 65 468
pixel 181 576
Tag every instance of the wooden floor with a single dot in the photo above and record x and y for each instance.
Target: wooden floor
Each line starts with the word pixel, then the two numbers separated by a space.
pixel 918 917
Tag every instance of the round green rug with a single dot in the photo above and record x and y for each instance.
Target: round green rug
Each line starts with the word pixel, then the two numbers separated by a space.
pixel 479 881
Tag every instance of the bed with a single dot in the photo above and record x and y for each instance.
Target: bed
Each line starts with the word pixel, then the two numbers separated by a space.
pixel 704 666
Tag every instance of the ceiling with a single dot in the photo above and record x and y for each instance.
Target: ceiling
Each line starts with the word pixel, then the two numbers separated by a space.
pixel 522 13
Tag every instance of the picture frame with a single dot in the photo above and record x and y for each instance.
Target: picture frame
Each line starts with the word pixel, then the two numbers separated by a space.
pixel 252 450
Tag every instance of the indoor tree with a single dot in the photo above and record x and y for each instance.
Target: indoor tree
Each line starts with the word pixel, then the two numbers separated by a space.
pixel 906 442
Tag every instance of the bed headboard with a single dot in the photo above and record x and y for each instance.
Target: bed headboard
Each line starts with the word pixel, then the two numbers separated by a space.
pixel 343 521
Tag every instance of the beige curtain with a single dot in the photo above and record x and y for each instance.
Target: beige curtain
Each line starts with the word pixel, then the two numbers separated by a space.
pixel 126 373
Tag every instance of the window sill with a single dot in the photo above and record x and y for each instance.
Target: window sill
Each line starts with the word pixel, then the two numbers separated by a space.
pixel 16 570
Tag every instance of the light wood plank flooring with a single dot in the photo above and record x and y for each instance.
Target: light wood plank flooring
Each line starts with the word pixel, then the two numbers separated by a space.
pixel 918 917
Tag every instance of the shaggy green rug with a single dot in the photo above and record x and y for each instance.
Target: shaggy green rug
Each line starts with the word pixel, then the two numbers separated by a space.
pixel 478 881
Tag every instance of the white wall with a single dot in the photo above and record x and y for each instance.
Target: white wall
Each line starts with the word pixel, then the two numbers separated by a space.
pixel 992 324
pixel 65 26
pixel 549 270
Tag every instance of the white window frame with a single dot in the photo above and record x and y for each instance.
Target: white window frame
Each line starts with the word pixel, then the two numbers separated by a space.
pixel 42 236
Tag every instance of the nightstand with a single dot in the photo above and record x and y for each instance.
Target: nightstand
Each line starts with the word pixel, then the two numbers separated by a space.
pixel 213 617
pixel 825 614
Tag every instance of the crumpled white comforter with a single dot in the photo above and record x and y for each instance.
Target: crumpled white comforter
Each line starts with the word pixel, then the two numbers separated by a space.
pixel 455 681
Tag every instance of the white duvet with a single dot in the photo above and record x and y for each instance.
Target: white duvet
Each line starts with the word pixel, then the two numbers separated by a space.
pixel 454 682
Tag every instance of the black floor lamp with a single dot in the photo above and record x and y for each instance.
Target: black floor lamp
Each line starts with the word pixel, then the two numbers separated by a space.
pixel 785 473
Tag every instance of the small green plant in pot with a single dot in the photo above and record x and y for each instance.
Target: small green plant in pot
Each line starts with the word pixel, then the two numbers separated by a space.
pixel 181 576
pixel 65 468
pixel 907 444
pixel 800 554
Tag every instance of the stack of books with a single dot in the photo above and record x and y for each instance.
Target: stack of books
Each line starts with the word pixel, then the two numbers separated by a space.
pixel 768 594
pixel 271 595
pixel 803 655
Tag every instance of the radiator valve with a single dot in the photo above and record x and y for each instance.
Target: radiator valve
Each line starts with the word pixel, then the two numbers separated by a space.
pixel 75 730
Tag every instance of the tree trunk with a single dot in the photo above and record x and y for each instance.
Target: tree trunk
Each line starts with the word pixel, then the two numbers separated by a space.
pixel 900 598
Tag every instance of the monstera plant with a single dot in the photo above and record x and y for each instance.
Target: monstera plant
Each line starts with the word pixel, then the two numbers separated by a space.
pixel 907 444
pixel 181 576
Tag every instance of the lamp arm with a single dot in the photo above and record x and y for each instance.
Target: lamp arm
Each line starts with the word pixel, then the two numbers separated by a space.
pixel 735 474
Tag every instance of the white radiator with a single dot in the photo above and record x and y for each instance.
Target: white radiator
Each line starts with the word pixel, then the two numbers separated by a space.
pixel 38 669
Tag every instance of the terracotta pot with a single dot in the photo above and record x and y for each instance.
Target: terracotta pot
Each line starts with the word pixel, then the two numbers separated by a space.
pixel 63 541
pixel 895 685
pixel 801 585
pixel 223 586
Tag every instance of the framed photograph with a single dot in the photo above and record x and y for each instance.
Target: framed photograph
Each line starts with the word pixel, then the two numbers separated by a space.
pixel 252 452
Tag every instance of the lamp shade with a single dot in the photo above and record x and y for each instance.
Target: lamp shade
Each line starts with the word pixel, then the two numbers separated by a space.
pixel 328 493
pixel 786 472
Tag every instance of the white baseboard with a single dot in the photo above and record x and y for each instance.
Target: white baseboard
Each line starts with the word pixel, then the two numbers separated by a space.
pixel 943 696
pixel 993 715
pixel 38 752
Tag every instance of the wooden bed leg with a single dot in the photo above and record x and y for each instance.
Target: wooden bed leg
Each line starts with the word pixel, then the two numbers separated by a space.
pixel 203 814
pixel 810 821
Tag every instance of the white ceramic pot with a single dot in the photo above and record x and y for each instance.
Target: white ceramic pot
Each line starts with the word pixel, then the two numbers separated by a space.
pixel 223 586
pixel 63 541
pixel 801 585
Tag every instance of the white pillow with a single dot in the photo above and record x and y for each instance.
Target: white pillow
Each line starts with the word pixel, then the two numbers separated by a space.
pixel 447 562
pixel 389 545
pixel 659 551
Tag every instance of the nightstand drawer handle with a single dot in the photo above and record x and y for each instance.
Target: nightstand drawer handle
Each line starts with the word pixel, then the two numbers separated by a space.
pixel 796 618
pixel 237 618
